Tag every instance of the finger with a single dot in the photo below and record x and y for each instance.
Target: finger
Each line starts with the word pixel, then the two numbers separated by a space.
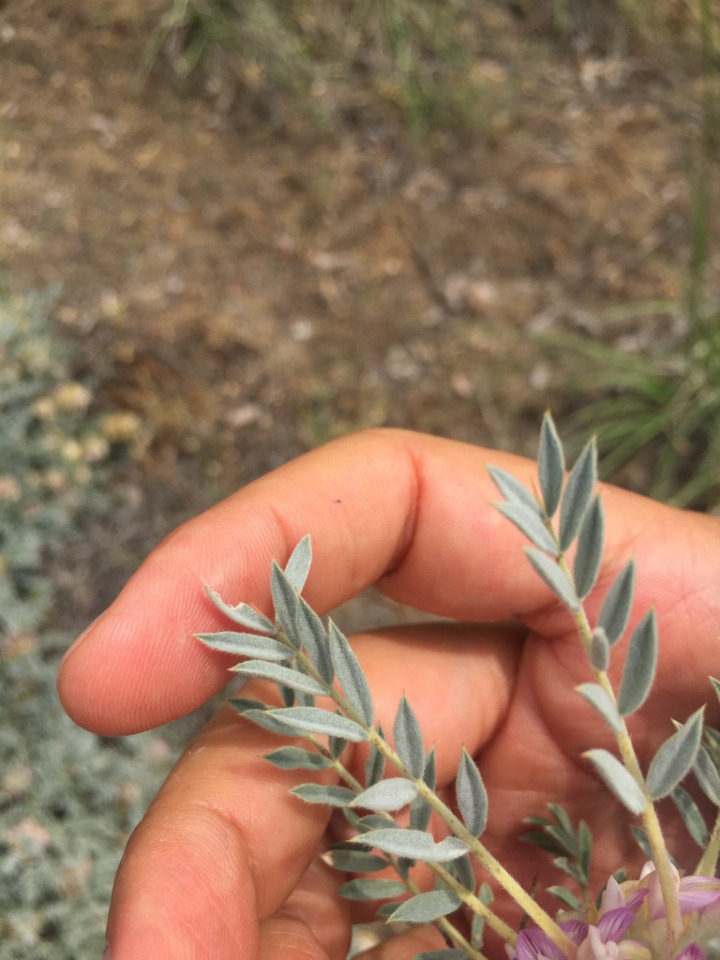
pixel 221 848
pixel 224 845
pixel 412 512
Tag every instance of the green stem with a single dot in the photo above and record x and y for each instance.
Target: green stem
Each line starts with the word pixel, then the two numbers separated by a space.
pixel 651 823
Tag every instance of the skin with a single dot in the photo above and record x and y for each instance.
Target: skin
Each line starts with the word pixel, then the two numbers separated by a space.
pixel 226 863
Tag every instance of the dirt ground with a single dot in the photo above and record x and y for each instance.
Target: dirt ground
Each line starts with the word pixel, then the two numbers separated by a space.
pixel 252 288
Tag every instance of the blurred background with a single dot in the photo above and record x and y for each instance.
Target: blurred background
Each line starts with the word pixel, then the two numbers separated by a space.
pixel 231 230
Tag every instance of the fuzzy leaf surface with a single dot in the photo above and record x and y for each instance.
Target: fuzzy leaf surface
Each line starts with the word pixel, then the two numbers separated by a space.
pixel 243 614
pixel 591 540
pixel 551 465
pixel 355 861
pixel 319 793
pixel 408 739
pixel 471 795
pixel 707 775
pixel 675 757
pixel 599 649
pixel 350 674
pixel 298 565
pixel 450 954
pixel 371 889
pixel 617 605
pixel 374 765
pixel 553 577
pixel 691 816
pixel 311 634
pixel 269 721
pixel 426 907
pixel 414 844
pixel 578 493
pixel 285 599
pixel 295 758
pixel 513 491
pixel 528 522
pixel 594 694
pixel 639 669
pixel 387 795
pixel 246 645
pixel 617 779
pixel 278 674
pixel 316 720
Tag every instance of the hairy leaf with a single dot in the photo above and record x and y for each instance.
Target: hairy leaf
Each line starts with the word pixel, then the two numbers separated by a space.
pixel 639 669
pixel 312 636
pixel 513 491
pixel 426 907
pixel 285 599
pixel 408 739
pixel 243 614
pixel 278 674
pixel 298 566
pixel 691 816
pixel 268 720
pixel 414 844
pixel 449 954
pixel 616 608
pixel 319 793
pixel 600 701
pixel 528 522
pixel 472 799
pixel 707 775
pixel 295 758
pixel 246 645
pixel 420 814
pixel 374 765
pixel 389 794
pixel 618 779
pixel 371 889
pixel 599 649
pixel 675 757
pixel 350 674
pixel 315 720
pixel 551 465
pixel 578 492
pixel 591 540
pixel 354 861
pixel 553 577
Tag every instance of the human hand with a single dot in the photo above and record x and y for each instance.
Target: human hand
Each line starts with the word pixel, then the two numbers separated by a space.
pixel 225 863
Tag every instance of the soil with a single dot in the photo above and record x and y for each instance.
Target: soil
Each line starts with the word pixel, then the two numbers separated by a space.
pixel 251 286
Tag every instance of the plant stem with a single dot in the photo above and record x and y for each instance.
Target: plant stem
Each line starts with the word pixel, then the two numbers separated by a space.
pixel 651 823
pixel 708 862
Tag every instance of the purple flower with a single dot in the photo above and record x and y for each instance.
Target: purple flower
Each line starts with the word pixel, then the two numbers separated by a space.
pixel 694 893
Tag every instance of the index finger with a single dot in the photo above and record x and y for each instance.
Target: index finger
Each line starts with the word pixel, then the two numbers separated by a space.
pixel 410 512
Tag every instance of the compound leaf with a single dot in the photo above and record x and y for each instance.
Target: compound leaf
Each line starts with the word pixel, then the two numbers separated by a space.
pixel 591 540
pixel 513 491
pixel 553 577
pixel 285 599
pixel 243 614
pixel 312 636
pixel 319 793
pixel 413 844
pixel 528 522
pixel 295 758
